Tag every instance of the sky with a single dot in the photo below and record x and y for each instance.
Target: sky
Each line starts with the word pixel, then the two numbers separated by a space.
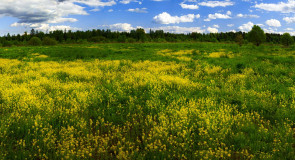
pixel 174 16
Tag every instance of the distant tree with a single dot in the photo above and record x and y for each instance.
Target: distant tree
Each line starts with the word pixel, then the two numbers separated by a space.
pixel 240 39
pixel 35 41
pixel 287 40
pixel 8 37
pixel 256 35
pixel 7 44
pixel 49 41
pixel 32 34
pixel 122 38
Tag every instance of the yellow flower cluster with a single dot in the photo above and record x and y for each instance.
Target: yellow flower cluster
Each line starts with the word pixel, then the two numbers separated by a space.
pixel 120 109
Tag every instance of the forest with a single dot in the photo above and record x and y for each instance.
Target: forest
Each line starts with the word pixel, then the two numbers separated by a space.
pixel 138 35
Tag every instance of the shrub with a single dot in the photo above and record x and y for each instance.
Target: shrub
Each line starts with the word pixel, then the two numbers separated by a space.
pixel 256 35
pixel 7 44
pixel 97 39
pixel 287 40
pixel 131 40
pixel 82 41
pixel 239 39
pixel 122 39
pixel 49 41
pixel 35 41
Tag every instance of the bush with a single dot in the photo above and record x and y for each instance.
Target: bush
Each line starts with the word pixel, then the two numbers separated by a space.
pixel 97 39
pixel 122 39
pixel 35 41
pixel 7 44
pixel 131 40
pixel 287 40
pixel 161 40
pixel 49 41
pixel 239 39
pixel 82 41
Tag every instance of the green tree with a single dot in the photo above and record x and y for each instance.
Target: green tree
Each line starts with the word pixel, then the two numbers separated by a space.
pixel 49 41
pixel 256 35
pixel 35 41
pixel 287 40
pixel 240 39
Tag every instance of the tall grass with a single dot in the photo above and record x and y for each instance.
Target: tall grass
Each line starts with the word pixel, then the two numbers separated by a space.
pixel 147 101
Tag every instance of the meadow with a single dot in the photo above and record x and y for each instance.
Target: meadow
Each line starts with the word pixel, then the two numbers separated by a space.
pixel 147 101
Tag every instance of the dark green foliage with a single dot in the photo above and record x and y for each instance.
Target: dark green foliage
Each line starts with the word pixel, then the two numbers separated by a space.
pixel 35 41
pixel 7 44
pixel 140 35
pixel 256 35
pixel 240 39
pixel 131 40
pixel 97 39
pixel 49 41
pixel 122 38
pixel 287 40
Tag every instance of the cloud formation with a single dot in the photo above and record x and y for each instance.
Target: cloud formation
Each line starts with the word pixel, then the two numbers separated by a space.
pixel 240 15
pixel 138 10
pixel 218 16
pixel 126 27
pixel 192 4
pixel 30 11
pixel 166 18
pixel 122 27
pixel 214 4
pixel 289 19
pixel 273 23
pixel 284 7
pixel 212 30
pixel 246 27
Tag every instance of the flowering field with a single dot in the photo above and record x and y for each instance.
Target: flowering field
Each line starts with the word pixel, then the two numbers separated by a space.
pixel 147 101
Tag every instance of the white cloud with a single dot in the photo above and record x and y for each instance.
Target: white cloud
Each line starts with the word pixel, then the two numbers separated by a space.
pixel 110 10
pixel 216 26
pixel 246 27
pixel 45 27
pixel 166 18
pixel 126 27
pixel 188 6
pixel 212 30
pixel 247 16
pixel 271 30
pixel 51 11
pixel 172 29
pixel 230 25
pixel 177 29
pixel 138 10
pixel 95 10
pixel 273 23
pixel 216 3
pixel 289 29
pixel 284 7
pixel 94 3
pixel 217 16
pixel 289 19
pixel 129 1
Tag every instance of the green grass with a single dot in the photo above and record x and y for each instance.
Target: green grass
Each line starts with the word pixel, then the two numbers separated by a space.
pixel 147 101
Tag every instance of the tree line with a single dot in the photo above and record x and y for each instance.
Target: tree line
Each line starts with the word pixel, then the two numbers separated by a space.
pixel 36 37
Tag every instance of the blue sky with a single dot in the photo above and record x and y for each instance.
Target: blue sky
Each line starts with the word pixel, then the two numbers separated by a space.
pixel 177 16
